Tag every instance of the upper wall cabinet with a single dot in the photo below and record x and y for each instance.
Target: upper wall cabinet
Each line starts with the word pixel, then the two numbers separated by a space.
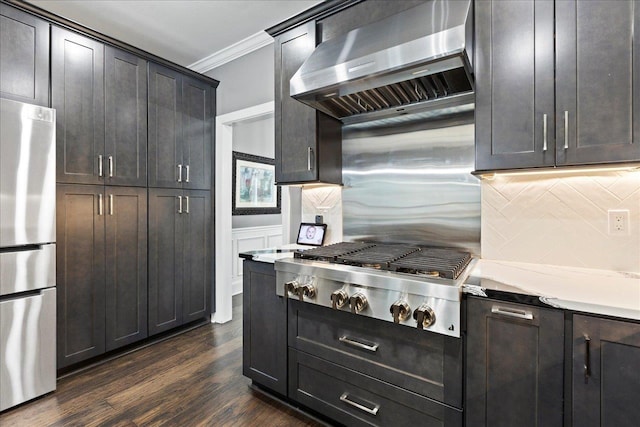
pixel 180 130
pixel 527 114
pixel 307 142
pixel 24 57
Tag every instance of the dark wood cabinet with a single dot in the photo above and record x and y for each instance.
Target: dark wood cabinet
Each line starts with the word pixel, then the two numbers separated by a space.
pixel 101 269
pixel 125 152
pixel 514 369
pixel 77 94
pixel 308 144
pixel 264 326
pixel 80 273
pixel 179 257
pixel 606 378
pixel 180 130
pixel 556 83
pixel 126 265
pixel 24 57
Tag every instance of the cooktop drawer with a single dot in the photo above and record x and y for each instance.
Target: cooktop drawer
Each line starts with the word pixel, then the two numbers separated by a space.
pixel 423 362
pixel 354 399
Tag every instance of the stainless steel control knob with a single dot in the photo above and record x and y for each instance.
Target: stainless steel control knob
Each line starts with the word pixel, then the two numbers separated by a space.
pixel 358 302
pixel 307 290
pixel 291 287
pixel 339 298
pixel 400 311
pixel 424 316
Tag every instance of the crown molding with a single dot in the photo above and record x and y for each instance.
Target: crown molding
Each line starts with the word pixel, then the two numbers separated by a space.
pixel 234 51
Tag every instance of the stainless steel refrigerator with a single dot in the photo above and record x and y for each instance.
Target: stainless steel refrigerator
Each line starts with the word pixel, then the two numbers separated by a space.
pixel 27 252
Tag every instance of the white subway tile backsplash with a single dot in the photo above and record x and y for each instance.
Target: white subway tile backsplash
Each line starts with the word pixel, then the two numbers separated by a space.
pixel 561 220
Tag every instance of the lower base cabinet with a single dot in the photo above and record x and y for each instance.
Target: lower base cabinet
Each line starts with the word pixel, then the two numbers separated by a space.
pixel 606 373
pixel 264 322
pixel 514 370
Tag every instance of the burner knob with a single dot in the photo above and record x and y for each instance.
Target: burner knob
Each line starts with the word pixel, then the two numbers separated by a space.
pixel 339 298
pixel 291 287
pixel 400 311
pixel 307 290
pixel 425 316
pixel 358 302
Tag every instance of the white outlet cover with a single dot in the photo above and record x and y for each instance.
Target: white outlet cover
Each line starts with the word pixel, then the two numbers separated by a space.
pixel 618 220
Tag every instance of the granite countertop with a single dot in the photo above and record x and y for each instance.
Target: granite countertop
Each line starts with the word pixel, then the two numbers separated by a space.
pixel 586 290
pixel 270 255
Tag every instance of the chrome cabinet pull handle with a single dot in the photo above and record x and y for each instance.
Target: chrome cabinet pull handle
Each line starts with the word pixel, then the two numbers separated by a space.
pixel 110 166
pixel 544 132
pixel 372 411
pixel 99 204
pixel 566 130
pixel 309 151
pixel 179 204
pixel 187 172
pixel 110 204
pixel 100 165
pixel 587 358
pixel 512 312
pixel 179 173
pixel 186 198
pixel 350 341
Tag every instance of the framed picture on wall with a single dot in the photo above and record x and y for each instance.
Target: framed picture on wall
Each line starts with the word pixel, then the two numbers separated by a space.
pixel 254 189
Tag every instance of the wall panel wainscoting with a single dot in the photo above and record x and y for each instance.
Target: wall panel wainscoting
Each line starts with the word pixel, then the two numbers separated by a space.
pixel 251 239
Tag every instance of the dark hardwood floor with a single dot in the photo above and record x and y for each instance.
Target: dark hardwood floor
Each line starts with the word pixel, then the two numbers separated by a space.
pixel 194 379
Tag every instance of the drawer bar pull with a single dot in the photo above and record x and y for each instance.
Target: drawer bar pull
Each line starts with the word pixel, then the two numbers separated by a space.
pixel 347 340
pixel 373 411
pixel 512 312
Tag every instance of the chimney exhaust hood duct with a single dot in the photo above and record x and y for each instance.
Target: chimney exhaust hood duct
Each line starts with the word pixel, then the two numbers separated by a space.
pixel 415 61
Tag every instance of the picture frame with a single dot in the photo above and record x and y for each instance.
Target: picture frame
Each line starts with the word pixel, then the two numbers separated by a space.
pixel 254 189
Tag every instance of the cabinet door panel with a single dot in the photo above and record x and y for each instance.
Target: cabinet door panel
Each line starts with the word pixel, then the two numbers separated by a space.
pixel 80 273
pixel 597 81
pixel 165 126
pixel 198 133
pixel 126 118
pixel 296 150
pixel 126 271
pixel 514 84
pixel 196 254
pixel 607 394
pixel 165 260
pixel 78 96
pixel 514 366
pixel 24 57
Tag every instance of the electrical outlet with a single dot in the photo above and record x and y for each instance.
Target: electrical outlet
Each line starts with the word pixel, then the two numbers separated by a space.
pixel 618 222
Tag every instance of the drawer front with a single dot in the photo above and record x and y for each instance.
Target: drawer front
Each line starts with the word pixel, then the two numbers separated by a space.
pixel 355 399
pixel 423 362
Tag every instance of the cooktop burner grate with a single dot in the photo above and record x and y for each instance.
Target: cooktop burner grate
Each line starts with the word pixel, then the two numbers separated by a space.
pixel 331 252
pixel 444 263
pixel 377 256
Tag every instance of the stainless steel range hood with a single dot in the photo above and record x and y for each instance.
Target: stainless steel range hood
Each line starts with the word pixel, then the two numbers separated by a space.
pixel 417 60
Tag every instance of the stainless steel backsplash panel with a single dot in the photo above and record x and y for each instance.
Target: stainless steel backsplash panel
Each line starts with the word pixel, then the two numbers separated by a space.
pixel 412 184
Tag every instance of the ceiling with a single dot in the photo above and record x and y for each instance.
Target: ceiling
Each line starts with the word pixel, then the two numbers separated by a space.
pixel 183 31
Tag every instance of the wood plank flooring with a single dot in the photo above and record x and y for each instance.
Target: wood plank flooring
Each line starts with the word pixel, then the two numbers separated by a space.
pixel 194 379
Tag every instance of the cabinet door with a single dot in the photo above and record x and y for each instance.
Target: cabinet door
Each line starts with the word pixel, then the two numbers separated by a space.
pixel 80 273
pixel 196 284
pixel 24 57
pixel 165 127
pixel 264 325
pixel 165 260
pixel 126 118
pixel 514 372
pixel 514 84
pixel 197 133
pixel 296 149
pixel 126 265
pixel 77 94
pixel 598 81
pixel 606 378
